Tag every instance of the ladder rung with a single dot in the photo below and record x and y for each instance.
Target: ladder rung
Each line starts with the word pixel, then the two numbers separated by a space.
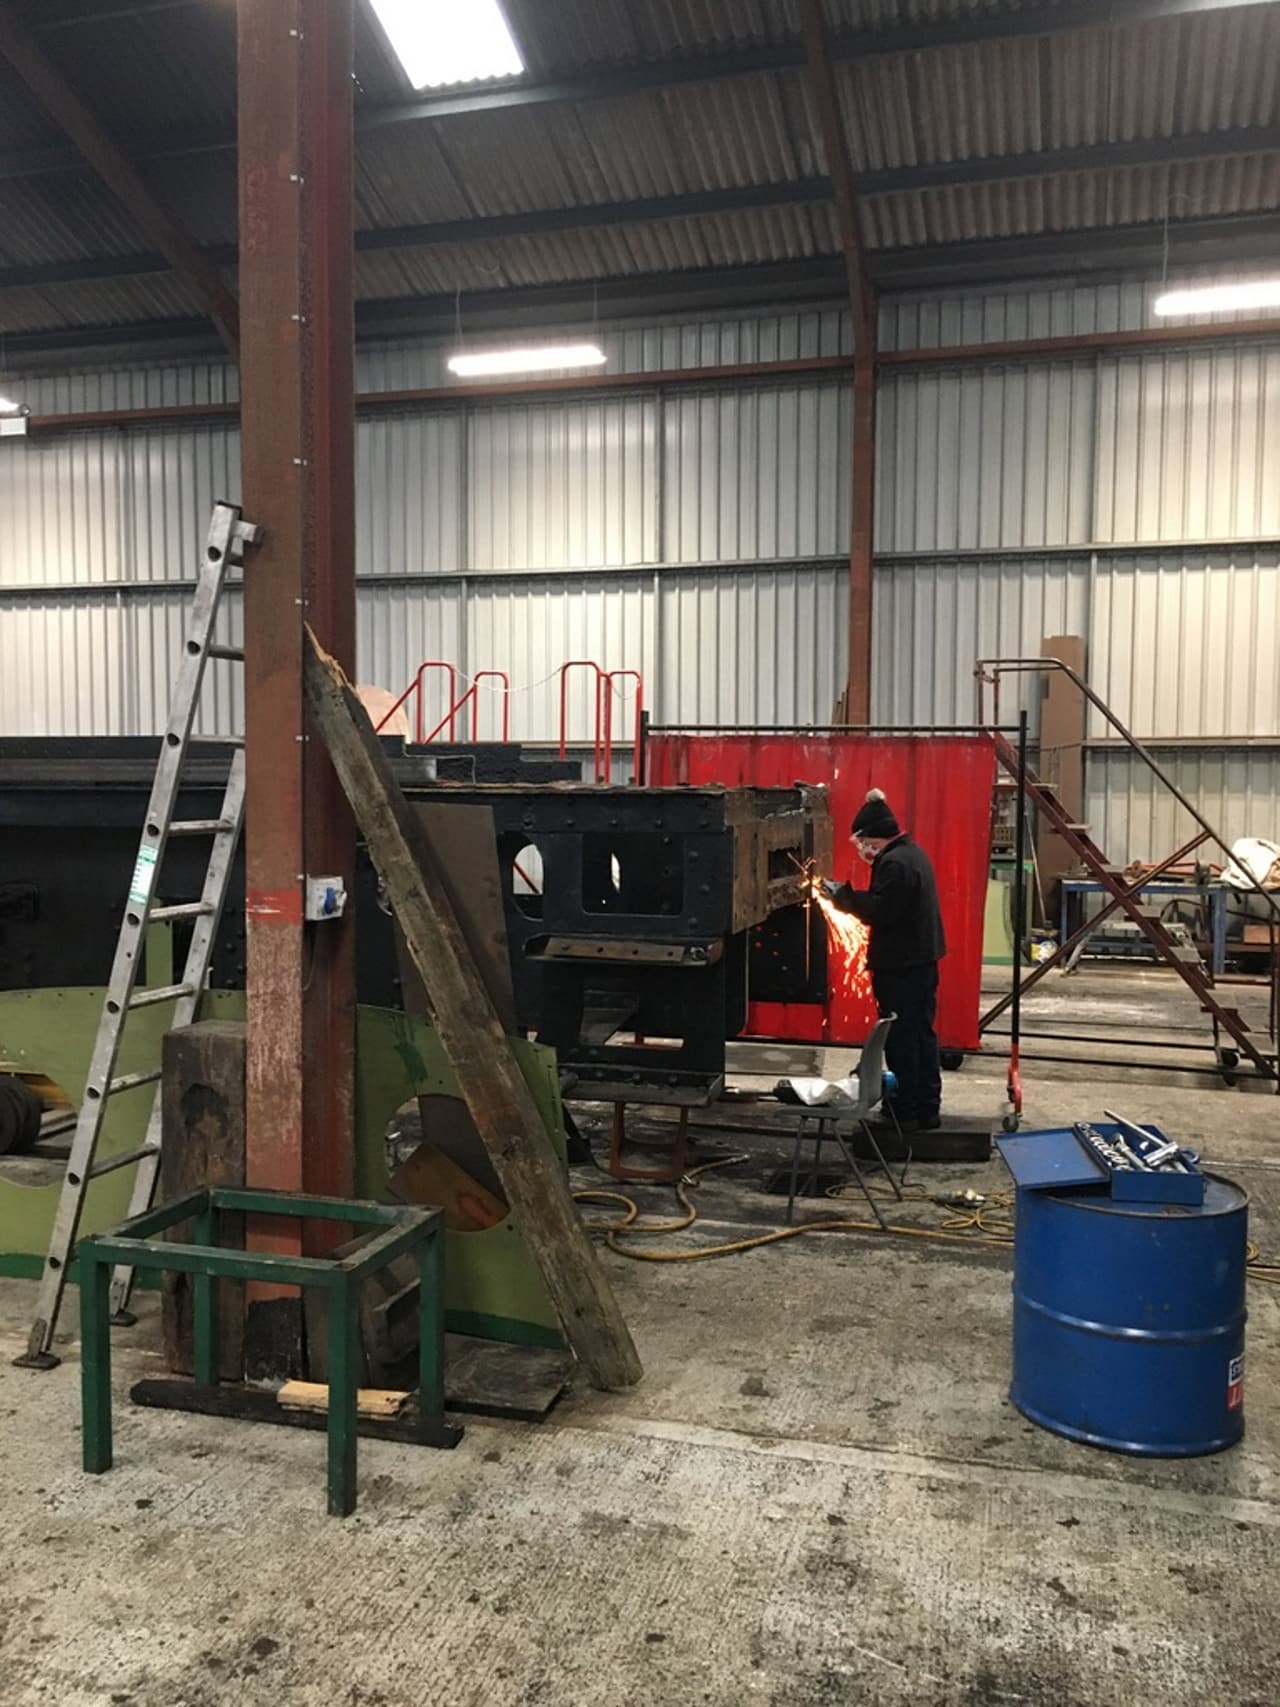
pixel 166 993
pixel 219 740
pixel 199 827
pixel 182 910
pixel 125 1161
pixel 233 654
pixel 130 1081
pixel 1078 829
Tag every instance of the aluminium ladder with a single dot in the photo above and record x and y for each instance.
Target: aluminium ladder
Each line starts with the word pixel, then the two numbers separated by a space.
pixel 229 535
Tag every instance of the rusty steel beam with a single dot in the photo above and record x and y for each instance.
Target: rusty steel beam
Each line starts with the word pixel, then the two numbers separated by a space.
pixel 298 424
pixel 1067 347
pixel 862 310
pixel 118 173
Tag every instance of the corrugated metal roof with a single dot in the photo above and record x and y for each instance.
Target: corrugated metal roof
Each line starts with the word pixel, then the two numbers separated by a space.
pixel 572 34
pixel 174 69
pixel 79 221
pixel 153 70
pixel 1073 201
pixel 722 240
pixel 114 302
pixel 23 121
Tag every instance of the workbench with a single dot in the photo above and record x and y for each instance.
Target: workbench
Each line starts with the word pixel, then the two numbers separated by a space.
pixel 1212 894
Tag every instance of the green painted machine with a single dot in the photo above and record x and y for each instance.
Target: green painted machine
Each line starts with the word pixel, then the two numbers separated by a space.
pixel 492 1287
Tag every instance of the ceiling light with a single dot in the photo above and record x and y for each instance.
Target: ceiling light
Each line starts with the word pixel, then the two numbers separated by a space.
pixel 537 359
pixel 9 407
pixel 1220 299
pixel 450 41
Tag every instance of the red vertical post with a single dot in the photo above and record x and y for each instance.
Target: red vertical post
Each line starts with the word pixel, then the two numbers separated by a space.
pixel 862 530
pixel 297 415
pixel 829 112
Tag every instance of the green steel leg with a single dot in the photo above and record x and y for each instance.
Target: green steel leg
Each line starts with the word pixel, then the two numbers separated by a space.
pixel 205 1307
pixel 430 1334
pixel 343 1365
pixel 95 1362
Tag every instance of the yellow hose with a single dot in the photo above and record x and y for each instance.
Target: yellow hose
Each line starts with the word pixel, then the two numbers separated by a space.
pixel 988 1225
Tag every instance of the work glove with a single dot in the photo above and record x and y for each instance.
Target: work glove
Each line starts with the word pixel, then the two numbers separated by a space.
pixel 830 888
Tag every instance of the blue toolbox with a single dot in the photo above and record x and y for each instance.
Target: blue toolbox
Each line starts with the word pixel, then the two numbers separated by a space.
pixel 1137 1164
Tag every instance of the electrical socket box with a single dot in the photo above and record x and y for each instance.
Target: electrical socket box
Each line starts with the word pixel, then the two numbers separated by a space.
pixel 325 898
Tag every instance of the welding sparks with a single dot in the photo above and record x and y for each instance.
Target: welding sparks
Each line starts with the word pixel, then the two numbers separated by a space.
pixel 847 939
pixel 846 951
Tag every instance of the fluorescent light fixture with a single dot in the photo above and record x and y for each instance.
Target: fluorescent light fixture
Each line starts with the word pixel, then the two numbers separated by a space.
pixel 539 358
pixel 1220 299
pixel 450 41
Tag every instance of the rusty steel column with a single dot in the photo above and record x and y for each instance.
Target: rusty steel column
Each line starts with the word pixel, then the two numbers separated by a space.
pixel 863 312
pixel 298 426
pixel 862 503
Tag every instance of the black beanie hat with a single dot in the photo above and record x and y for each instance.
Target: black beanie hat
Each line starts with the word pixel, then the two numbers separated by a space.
pixel 875 818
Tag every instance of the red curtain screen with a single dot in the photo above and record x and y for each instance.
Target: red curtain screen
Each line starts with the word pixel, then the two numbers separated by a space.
pixel 940 790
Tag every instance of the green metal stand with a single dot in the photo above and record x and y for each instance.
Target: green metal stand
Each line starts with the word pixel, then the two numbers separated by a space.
pixel 408 1229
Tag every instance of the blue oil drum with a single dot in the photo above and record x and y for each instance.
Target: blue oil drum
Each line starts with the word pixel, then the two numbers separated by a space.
pixel 1128 1319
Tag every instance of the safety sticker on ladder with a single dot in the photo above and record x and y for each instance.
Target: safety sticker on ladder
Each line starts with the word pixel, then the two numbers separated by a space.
pixel 144 875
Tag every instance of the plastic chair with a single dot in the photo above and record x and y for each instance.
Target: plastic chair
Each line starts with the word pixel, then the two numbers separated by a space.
pixel 826 1123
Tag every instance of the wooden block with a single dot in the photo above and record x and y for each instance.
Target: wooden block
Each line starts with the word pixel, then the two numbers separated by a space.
pixel 202 1108
pixel 430 1177
pixel 371 1402
pixel 492 1379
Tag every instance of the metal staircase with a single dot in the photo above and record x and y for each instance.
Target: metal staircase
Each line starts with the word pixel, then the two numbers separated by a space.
pixel 1185 960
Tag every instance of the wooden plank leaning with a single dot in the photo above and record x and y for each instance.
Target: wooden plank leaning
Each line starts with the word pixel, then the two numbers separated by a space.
pixel 488 1074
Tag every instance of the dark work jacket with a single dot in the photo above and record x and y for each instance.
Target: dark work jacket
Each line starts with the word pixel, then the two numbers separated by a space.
pixel 901 907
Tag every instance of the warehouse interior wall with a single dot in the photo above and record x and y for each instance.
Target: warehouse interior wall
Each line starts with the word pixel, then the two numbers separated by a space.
pixel 700 535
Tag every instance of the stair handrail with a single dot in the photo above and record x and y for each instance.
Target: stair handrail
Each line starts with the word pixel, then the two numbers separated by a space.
pixel 987 671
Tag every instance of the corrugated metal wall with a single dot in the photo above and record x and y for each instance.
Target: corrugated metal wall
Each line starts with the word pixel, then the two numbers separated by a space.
pixel 699 535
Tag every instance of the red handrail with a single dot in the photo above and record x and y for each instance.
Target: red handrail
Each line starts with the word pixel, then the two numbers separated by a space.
pixel 505 679
pixel 638 736
pixel 597 744
pixel 416 686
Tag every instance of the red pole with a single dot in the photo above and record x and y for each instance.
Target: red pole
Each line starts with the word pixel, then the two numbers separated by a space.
pixel 638 735
pixel 505 679
pixel 581 664
pixel 298 417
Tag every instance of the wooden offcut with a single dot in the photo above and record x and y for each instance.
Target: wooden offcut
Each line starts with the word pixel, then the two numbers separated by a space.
pixel 471 1033
pixel 371 1402
pixel 1062 732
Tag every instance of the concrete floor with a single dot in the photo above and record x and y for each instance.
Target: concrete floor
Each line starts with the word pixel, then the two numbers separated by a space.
pixel 819 1494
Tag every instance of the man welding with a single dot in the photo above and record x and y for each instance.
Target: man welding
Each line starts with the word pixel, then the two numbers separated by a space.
pixel 906 943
